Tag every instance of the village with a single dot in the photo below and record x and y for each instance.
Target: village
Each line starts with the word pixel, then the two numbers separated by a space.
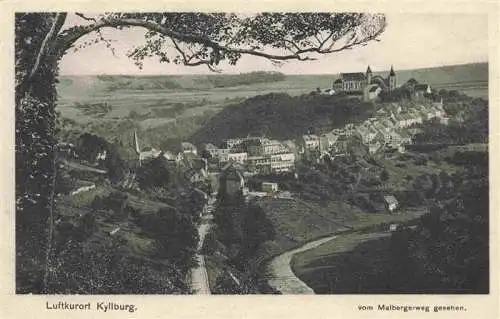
pixel 391 128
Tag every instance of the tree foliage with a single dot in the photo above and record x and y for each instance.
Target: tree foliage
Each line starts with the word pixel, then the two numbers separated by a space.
pixel 449 249
pixel 176 236
pixel 89 146
pixel 473 128
pixel 282 116
pixel 154 173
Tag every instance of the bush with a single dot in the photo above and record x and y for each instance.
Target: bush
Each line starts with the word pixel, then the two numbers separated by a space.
pixel 154 173
pixel 420 160
pixel 384 176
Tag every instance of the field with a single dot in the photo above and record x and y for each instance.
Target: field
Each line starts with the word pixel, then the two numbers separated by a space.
pixel 337 267
pixel 352 262
pixel 90 90
pixel 297 221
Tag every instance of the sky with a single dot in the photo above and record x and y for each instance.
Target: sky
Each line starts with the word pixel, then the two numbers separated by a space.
pixel 409 41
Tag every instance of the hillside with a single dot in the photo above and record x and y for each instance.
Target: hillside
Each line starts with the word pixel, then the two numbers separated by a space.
pixel 110 241
pixel 282 116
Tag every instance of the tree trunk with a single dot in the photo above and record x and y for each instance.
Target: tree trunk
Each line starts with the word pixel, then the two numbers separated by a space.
pixel 35 152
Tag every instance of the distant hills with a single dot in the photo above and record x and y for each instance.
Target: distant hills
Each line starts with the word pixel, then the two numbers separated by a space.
pixel 449 74
pixel 471 79
pixel 437 76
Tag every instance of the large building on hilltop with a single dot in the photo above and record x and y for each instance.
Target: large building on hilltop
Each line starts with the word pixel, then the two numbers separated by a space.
pixel 362 83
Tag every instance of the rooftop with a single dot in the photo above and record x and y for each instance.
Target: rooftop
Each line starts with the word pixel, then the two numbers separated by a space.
pixel 421 87
pixel 187 145
pixel 310 137
pixel 358 76
pixel 391 73
pixel 390 199
pixel 210 146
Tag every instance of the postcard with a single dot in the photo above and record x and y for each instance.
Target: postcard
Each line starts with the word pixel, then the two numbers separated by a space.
pixel 285 160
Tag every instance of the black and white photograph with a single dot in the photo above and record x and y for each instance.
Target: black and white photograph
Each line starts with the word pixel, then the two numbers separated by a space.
pixel 244 153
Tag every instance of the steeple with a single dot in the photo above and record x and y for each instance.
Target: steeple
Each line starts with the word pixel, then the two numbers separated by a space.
pixel 392 73
pixel 369 75
pixel 392 79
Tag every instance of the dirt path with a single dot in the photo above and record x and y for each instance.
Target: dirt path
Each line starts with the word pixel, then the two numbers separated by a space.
pixel 199 276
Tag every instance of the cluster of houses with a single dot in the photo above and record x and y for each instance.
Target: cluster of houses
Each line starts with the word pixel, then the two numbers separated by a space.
pixel 257 154
pixel 391 127
pixel 252 155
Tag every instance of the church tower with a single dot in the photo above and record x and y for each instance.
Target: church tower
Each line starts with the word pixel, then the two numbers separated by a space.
pixel 369 75
pixel 392 79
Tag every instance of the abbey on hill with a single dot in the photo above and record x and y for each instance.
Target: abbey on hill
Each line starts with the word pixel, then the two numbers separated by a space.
pixel 365 83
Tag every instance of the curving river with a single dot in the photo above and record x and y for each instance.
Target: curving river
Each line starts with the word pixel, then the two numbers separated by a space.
pixel 279 271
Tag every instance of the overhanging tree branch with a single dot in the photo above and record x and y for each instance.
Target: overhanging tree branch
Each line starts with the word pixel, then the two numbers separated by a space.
pixel 68 38
pixel 81 15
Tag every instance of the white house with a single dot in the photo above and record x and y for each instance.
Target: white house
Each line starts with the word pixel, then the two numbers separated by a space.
pixel 371 92
pixel 260 163
pixel 391 203
pixel 327 141
pixel 240 158
pixel 269 187
pixel 422 89
pixel 232 142
pixel 147 155
pixel 101 155
pixel 168 155
pixel 284 162
pixel 367 134
pixel 310 141
pixel 273 147
pixel 393 227
pixel 188 148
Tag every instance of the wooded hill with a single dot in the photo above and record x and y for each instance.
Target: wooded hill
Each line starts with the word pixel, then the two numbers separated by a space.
pixel 281 116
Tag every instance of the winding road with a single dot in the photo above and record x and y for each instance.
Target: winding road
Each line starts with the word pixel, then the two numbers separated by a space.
pixel 279 271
